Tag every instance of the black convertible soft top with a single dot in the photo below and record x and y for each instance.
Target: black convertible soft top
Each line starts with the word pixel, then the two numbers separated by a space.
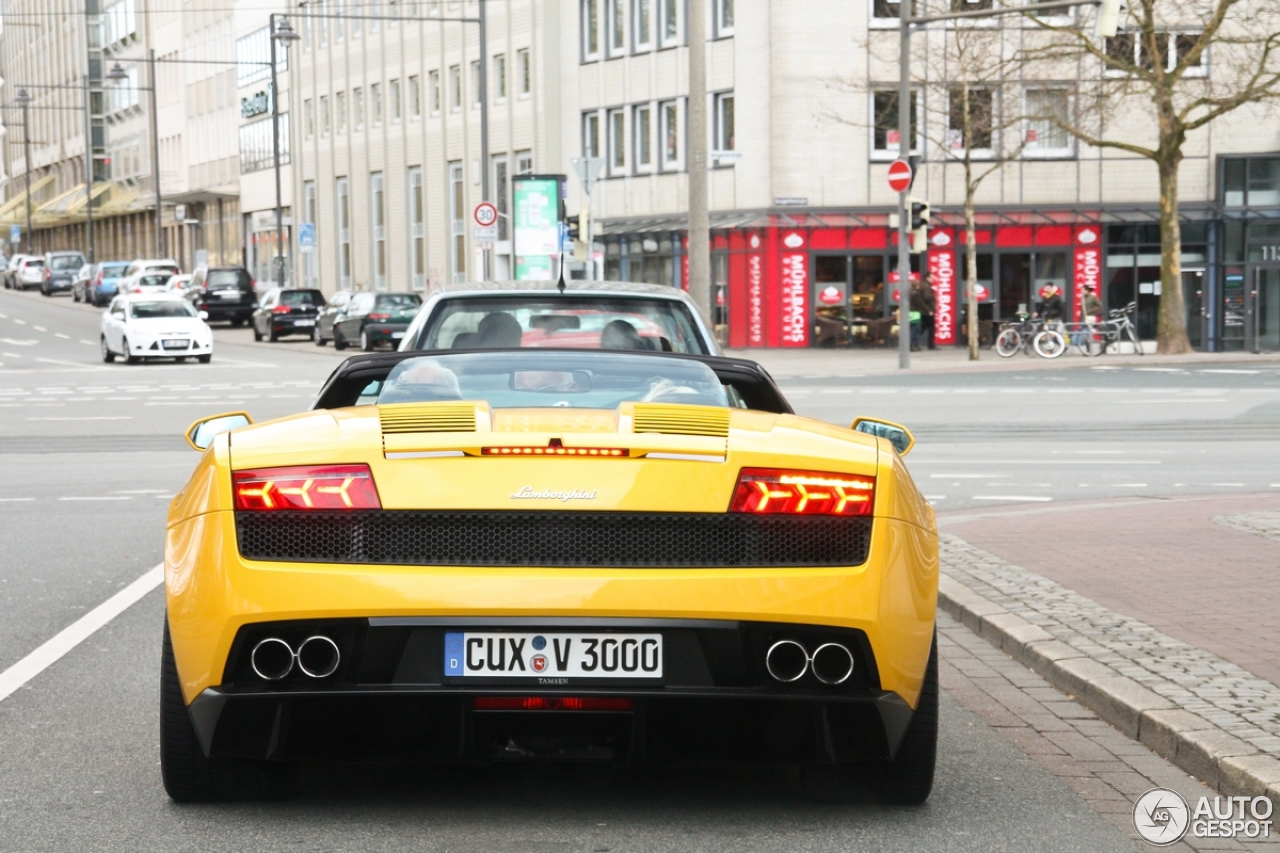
pixel 752 382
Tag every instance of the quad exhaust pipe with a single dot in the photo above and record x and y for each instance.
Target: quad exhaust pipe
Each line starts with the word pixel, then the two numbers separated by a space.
pixel 788 661
pixel 273 659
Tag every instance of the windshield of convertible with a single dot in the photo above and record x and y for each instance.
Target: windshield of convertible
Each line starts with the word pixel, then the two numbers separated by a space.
pixel 562 321
pixel 562 379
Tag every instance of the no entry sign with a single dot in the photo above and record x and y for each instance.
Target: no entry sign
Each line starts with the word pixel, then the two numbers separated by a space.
pixel 899 176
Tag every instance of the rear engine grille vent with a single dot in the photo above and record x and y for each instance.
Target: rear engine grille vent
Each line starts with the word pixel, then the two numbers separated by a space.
pixel 681 420
pixel 429 417
pixel 637 540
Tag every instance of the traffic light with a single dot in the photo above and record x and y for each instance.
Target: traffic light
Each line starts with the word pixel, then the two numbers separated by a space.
pixel 1108 20
pixel 580 233
pixel 919 225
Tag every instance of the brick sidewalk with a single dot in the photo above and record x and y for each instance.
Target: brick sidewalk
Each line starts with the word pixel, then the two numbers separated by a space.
pixel 1212 584
pixel 1107 769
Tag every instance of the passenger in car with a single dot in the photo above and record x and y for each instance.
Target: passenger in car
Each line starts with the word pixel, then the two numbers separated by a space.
pixel 619 334
pixel 499 330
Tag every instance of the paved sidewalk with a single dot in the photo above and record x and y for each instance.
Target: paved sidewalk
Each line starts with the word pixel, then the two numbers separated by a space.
pixel 1204 570
pixel 851 363
pixel 1107 769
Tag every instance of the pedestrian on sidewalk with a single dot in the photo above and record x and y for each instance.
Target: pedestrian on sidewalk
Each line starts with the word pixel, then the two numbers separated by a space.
pixel 930 312
pixel 919 307
pixel 1091 308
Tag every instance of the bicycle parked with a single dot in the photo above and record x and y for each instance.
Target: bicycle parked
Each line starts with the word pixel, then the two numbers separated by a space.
pixel 1093 339
pixel 1029 334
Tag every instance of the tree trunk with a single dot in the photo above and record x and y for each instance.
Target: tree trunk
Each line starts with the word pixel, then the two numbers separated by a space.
pixel 1171 325
pixel 970 270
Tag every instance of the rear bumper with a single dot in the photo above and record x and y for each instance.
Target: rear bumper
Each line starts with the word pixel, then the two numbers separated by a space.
pixel 379 332
pixel 716 705
pixel 227 312
pixel 292 325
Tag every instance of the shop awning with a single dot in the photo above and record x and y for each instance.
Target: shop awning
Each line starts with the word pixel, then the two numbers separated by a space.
pixel 14 211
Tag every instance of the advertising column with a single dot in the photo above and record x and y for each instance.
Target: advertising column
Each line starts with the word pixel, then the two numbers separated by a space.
pixel 942 274
pixel 537 225
pixel 794 260
pixel 1088 267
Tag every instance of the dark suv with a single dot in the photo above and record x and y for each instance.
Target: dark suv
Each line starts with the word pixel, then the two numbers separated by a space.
pixel 224 293
pixel 286 312
pixel 60 270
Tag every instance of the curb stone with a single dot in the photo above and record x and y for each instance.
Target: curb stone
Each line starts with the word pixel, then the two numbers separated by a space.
pixel 1223 762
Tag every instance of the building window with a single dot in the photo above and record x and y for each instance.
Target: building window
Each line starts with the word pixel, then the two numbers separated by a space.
pixel 642 24
pixel 457 222
pixel 524 68
pixel 524 162
pixel 375 104
pixel 476 99
pixel 417 229
pixel 724 17
pixel 885 10
pixel 378 227
pixel 590 30
pixel 433 80
pixel 884 109
pixel 1042 137
pixel 344 234
pixel 669 114
pixel 591 134
pixel 309 117
pixel 502 195
pixel 455 87
pixel 968 5
pixel 980 121
pixel 394 95
pixel 253 57
pixel 617 142
pixel 500 77
pixel 669 22
pixel 357 108
pixel 616 25
pixel 310 273
pixel 1127 49
pixel 415 97
pixel 1251 182
pixel 724 133
pixel 324 116
pixel 256 150
pixel 642 146
pixel 340 107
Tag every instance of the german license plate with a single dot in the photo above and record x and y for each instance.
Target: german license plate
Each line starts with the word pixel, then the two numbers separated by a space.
pixel 304 322
pixel 397 334
pixel 174 344
pixel 492 654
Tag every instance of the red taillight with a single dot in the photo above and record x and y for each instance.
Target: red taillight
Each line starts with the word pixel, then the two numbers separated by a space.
pixel 379 316
pixel 552 451
pixel 550 703
pixel 99 278
pixel 306 487
pixel 773 491
pixel 281 309
pixel 137 290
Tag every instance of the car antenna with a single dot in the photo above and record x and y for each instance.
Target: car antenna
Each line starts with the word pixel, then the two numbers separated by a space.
pixel 560 284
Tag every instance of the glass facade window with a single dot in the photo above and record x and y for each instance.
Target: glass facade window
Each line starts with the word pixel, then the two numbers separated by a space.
pixel 980 120
pixel 642 24
pixel 524 70
pixel 253 58
pixel 617 142
pixel 343 209
pixel 375 104
pixel 417 229
pixel 884 117
pixel 591 134
pixel 475 83
pixel 669 114
pixel 357 108
pixel 590 29
pixel 616 23
pixel 724 132
pixel 1041 134
pixel 457 222
pixel 642 124
pixel 455 87
pixel 499 81
pixel 378 229
pixel 393 98
pixel 669 22
pixel 415 96
pixel 256 150
pixel 324 115
pixel 310 269
pixel 723 18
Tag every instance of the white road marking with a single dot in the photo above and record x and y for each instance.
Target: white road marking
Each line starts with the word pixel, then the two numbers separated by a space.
pixel 90 343
pixel 1032 498
pixel 17 343
pixel 19 322
pixel 70 364
pixel 13 678
pixel 1159 370
pixel 15 500
pixel 1247 372
pixel 105 418
pixel 40 328
pixel 1185 400
pixel 1129 485
pixel 1234 485
pixel 60 335
pixel 139 491
pixel 964 476
pixel 99 498
pixel 935 497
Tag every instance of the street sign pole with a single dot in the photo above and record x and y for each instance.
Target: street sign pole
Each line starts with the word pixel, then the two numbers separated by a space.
pixel 904 210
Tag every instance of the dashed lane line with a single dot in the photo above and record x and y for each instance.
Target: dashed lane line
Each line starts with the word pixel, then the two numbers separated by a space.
pixel 40 328
pixel 60 335
pixel 1027 498
pixel 98 498
pixel 53 650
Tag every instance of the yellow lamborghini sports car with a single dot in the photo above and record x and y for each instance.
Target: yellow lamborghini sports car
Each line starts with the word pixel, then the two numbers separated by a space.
pixel 521 555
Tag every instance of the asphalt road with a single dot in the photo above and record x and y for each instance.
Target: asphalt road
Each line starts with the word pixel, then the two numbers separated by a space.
pixel 91 452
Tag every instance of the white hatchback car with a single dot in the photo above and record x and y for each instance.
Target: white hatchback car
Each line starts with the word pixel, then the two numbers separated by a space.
pixel 149 281
pixel 141 326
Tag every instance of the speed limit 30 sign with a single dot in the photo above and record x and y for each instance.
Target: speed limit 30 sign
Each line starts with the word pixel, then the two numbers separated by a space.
pixel 486 214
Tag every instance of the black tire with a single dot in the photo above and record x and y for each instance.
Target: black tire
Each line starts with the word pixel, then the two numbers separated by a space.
pixel 129 357
pixel 273 335
pixel 107 355
pixel 237 322
pixel 44 291
pixel 191 777
pixel 339 342
pixel 205 359
pixel 1008 343
pixel 75 295
pixel 907 779
pixel 257 336
pixel 365 343
pixel 316 337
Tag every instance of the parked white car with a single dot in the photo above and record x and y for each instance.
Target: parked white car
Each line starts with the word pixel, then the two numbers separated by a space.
pixel 149 281
pixel 139 265
pixel 142 326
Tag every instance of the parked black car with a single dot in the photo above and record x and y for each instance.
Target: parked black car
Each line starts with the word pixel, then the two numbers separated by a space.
pixel 323 330
pixel 374 318
pixel 286 312
pixel 225 293
pixel 60 270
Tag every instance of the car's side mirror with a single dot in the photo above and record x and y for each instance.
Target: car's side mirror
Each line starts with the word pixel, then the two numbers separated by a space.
pixel 119 315
pixel 899 436
pixel 201 433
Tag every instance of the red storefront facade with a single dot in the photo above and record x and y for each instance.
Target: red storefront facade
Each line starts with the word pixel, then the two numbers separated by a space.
pixel 779 281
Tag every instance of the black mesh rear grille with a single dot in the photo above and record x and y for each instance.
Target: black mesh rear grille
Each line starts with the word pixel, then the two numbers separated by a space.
pixel 567 539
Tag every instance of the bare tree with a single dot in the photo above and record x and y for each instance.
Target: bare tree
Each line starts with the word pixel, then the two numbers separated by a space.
pixel 1185 63
pixel 962 72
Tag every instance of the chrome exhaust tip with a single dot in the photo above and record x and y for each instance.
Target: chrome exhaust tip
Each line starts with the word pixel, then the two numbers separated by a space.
pixel 786 661
pixel 318 656
pixel 832 663
pixel 272 659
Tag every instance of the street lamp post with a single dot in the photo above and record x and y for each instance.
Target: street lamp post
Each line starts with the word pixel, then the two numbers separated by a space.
pixel 23 100
pixel 88 171
pixel 280 32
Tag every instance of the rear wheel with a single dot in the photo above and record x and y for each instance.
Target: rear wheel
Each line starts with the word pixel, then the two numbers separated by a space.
pixel 190 776
pixel 339 342
pixel 107 355
pixel 273 336
pixel 907 779
pixel 257 336
pixel 129 357
pixel 75 295
pixel 316 337
pixel 365 343
pixel 237 322
pixel 1008 343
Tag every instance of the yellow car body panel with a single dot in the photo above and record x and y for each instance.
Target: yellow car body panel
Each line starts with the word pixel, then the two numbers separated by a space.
pixel 212 591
